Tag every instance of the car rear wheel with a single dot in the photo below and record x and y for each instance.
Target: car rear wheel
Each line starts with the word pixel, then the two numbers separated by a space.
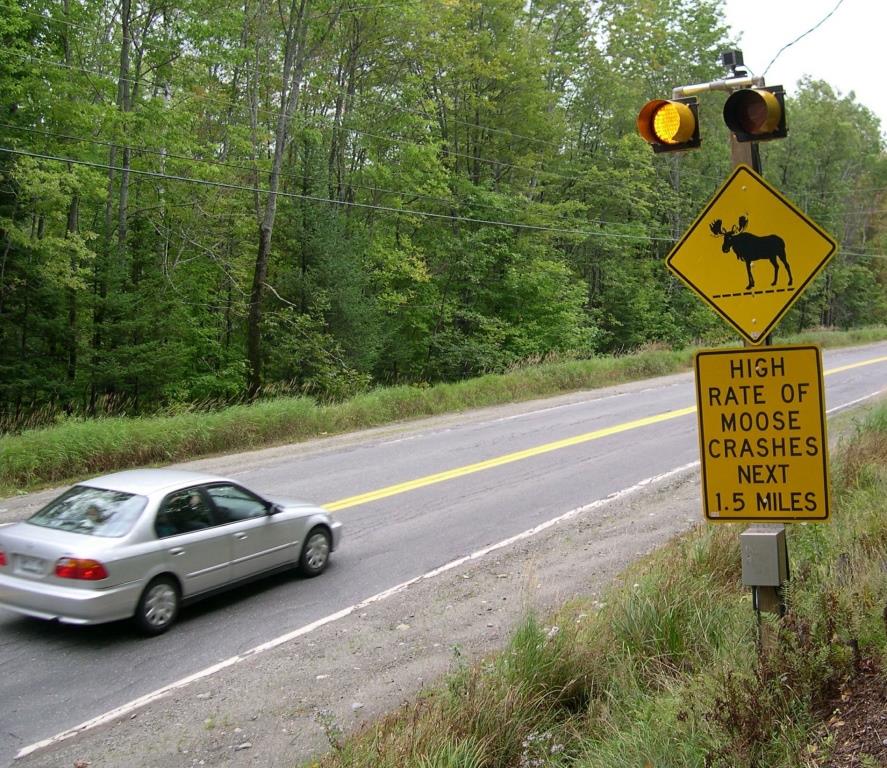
pixel 158 606
pixel 315 553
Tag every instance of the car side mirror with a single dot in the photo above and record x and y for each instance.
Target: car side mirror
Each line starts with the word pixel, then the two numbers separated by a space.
pixel 273 509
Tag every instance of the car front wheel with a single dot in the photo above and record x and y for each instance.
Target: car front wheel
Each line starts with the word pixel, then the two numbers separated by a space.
pixel 315 553
pixel 158 606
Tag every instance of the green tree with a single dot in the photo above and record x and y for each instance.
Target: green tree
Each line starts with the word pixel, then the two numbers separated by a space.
pixel 832 166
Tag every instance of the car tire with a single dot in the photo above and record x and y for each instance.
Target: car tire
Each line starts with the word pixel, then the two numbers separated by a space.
pixel 315 552
pixel 158 606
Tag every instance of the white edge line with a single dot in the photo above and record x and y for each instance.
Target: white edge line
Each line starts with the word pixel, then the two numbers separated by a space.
pixel 150 698
pixel 856 402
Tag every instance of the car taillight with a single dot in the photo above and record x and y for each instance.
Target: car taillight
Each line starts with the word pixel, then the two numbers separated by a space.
pixel 2 558
pixel 77 568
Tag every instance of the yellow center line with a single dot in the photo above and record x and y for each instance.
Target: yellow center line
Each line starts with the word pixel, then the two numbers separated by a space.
pixel 498 461
pixel 509 458
pixel 856 365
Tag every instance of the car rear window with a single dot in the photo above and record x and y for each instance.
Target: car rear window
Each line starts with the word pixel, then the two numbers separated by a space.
pixel 92 511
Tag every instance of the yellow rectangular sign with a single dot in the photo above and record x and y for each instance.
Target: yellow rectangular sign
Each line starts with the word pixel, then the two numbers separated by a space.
pixel 762 434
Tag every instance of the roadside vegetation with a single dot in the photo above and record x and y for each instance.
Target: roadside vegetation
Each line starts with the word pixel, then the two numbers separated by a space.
pixel 664 671
pixel 76 447
pixel 211 201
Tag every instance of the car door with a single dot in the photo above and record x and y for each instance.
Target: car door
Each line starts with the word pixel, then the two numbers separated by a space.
pixel 197 549
pixel 260 540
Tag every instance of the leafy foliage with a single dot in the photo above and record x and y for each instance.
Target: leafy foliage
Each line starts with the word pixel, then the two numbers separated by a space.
pixel 202 202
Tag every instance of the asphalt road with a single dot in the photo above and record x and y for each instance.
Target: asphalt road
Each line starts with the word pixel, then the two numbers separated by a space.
pixel 412 498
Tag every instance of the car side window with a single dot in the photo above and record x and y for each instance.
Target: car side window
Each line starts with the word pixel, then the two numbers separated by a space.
pixel 235 503
pixel 183 512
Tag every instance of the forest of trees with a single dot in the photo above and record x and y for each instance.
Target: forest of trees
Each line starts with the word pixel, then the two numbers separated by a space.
pixel 205 202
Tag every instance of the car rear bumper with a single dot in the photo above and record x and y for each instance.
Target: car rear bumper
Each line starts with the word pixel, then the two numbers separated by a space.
pixel 68 604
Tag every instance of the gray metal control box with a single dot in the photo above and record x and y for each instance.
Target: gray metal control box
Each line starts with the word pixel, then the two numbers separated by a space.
pixel 764 556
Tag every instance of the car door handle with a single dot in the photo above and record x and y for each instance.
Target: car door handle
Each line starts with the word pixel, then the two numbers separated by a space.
pixel 241 536
pixel 176 551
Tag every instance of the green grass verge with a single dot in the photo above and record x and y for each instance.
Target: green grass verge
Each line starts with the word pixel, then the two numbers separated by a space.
pixel 75 449
pixel 665 672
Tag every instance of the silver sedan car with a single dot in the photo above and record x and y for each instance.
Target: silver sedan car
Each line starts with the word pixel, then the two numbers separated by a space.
pixel 141 543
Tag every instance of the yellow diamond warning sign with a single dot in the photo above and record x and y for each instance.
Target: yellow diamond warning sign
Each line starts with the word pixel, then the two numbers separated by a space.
pixel 762 434
pixel 750 254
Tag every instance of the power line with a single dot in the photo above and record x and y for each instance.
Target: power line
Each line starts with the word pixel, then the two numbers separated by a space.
pixel 862 255
pixel 870 212
pixel 343 203
pixel 363 98
pixel 351 129
pixel 366 206
pixel 381 137
pixel 848 192
pixel 299 177
pixel 233 166
pixel 390 139
pixel 274 114
pixel 218 163
pixel 250 169
pixel 801 37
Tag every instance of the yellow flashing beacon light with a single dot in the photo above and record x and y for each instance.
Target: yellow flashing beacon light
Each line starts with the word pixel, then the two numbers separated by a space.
pixel 670 126
pixel 756 114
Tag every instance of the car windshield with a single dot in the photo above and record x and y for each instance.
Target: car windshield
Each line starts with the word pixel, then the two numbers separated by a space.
pixel 93 511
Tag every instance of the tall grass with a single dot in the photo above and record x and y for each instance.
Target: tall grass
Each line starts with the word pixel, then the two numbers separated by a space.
pixel 665 672
pixel 75 448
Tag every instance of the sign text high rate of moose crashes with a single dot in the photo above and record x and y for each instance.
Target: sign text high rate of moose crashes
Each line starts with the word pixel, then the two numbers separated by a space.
pixel 762 434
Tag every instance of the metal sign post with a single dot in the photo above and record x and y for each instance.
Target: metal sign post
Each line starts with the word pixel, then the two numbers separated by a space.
pixel 763 548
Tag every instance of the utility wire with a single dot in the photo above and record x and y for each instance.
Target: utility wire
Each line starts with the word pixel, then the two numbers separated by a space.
pixel 248 169
pixel 801 37
pixel 166 154
pixel 365 100
pixel 390 139
pixel 267 72
pixel 273 113
pixel 853 191
pixel 276 113
pixel 344 203
pixel 386 209
pixel 256 169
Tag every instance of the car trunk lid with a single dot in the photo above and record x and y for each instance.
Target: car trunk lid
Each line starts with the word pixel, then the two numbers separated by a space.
pixel 32 551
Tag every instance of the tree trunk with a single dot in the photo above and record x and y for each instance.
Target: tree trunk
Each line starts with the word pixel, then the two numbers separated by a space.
pixel 7 246
pixel 112 252
pixel 346 85
pixel 124 103
pixel 71 228
pixel 295 56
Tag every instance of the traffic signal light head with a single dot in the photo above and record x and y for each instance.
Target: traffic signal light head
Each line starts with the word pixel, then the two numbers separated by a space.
pixel 670 126
pixel 756 114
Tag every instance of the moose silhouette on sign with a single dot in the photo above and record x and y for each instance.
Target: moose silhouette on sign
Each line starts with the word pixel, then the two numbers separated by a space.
pixel 749 248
